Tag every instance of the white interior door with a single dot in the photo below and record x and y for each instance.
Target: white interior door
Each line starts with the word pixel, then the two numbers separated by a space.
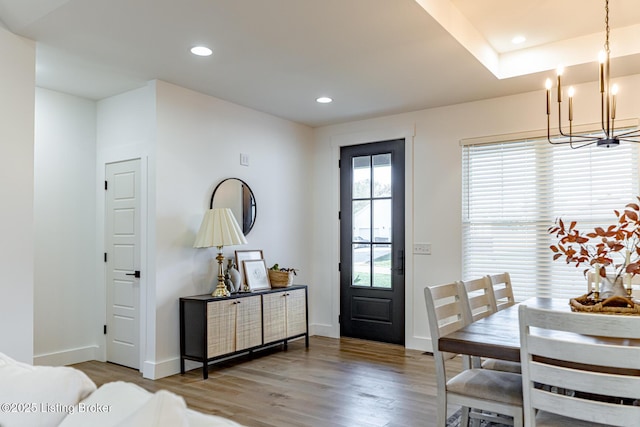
pixel 122 222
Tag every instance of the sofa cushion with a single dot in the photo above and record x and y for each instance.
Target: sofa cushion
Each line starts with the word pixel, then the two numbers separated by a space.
pixel 164 409
pixel 126 404
pixel 39 396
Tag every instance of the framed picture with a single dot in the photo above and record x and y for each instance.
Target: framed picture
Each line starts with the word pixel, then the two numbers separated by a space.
pixel 241 257
pixel 255 273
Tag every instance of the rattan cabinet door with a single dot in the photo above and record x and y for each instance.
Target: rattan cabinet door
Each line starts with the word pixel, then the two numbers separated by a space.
pixel 248 322
pixel 296 313
pixel 221 327
pixel 275 323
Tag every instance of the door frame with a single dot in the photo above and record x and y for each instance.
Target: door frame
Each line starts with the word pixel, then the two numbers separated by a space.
pixel 101 276
pixel 355 138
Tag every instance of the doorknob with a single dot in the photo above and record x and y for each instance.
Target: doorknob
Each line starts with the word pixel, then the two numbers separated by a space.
pixel 134 274
pixel 400 267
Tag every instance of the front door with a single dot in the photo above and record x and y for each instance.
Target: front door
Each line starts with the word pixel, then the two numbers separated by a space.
pixel 372 241
pixel 122 238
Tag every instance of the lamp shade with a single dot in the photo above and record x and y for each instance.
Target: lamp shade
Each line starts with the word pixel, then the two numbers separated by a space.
pixel 219 228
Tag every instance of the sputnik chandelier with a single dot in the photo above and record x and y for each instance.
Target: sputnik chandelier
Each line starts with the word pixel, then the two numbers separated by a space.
pixel 607 136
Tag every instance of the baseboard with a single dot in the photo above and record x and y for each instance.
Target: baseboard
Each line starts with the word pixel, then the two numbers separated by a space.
pixel 419 343
pixel 67 357
pixel 157 370
pixel 324 330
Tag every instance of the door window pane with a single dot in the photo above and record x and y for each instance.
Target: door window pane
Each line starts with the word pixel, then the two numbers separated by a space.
pixel 361 268
pixel 382 266
pixel 361 220
pixel 361 177
pixel 382 220
pixel 382 175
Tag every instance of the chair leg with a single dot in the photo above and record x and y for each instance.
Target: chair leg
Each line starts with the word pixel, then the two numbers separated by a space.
pixel 464 418
pixel 518 419
pixel 442 409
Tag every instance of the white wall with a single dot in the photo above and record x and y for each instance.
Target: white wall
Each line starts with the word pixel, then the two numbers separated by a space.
pixel 65 287
pixel 199 141
pixel 435 215
pixel 17 86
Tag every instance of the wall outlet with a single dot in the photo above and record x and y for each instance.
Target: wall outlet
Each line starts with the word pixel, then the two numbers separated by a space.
pixel 422 248
pixel 244 159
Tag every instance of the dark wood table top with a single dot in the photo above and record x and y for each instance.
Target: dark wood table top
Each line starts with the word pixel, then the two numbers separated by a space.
pixel 498 335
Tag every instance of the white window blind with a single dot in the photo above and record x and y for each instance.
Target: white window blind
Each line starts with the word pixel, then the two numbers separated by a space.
pixel 514 191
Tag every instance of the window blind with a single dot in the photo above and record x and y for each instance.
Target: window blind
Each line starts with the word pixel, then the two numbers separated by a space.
pixel 514 191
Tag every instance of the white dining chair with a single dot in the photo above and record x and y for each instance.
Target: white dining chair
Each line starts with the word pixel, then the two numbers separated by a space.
pixel 545 355
pixel 482 303
pixel 480 392
pixel 502 290
pixel 480 297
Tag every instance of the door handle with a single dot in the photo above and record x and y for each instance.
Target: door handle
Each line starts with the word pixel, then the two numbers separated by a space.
pixel 400 267
pixel 135 274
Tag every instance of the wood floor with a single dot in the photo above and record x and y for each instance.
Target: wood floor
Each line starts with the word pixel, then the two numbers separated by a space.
pixel 335 382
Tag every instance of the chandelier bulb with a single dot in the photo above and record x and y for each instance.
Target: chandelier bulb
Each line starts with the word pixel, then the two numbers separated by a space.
pixel 602 56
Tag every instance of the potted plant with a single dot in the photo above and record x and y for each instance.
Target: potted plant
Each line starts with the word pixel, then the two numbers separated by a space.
pixel 614 249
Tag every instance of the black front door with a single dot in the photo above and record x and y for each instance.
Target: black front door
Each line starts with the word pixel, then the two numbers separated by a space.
pixel 372 241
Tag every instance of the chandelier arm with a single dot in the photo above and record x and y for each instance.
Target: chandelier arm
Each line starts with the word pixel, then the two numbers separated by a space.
pixel 576 139
pixel 571 144
pixel 637 141
pixel 603 117
pixel 632 133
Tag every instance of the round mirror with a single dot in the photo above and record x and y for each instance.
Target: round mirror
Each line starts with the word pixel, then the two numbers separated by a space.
pixel 235 194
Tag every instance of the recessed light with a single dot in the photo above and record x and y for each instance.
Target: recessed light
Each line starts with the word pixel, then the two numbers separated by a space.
pixel 324 100
pixel 201 51
pixel 518 39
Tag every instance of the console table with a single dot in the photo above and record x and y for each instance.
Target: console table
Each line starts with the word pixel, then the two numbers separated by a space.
pixel 213 328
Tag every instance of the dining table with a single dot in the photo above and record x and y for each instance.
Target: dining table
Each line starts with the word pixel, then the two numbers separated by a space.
pixel 497 336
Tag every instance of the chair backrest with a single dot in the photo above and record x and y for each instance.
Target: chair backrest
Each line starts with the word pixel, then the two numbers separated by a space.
pixel 480 296
pixel 447 311
pixel 502 290
pixel 543 351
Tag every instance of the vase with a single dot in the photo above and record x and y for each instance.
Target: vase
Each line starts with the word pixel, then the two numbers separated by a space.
pixel 612 286
pixel 234 276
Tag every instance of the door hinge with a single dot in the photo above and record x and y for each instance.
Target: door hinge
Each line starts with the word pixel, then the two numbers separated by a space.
pixel 339 266
pixel 339 318
pixel 339 164
pixel 106 185
pixel 104 329
pixel 105 257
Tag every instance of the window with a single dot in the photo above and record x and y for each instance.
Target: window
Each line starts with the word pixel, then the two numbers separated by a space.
pixel 514 191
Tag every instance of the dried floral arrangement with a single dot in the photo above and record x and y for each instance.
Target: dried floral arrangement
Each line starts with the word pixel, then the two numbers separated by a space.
pixel 616 247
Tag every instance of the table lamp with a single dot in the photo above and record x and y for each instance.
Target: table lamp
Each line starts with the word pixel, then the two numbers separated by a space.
pixel 219 228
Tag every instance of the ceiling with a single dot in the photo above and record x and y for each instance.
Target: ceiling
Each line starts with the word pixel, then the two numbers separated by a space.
pixel 373 57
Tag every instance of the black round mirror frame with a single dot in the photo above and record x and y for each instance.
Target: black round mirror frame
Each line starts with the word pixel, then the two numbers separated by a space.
pixel 247 206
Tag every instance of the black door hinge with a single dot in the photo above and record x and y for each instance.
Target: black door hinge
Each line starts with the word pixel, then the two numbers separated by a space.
pixel 105 257
pixel 339 164
pixel 339 215
pixel 339 318
pixel 106 185
pixel 339 266
pixel 104 329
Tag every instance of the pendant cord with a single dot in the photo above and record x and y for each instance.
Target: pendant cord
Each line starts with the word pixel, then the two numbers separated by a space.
pixel 606 22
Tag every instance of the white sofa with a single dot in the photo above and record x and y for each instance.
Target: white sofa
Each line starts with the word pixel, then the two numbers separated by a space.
pixel 46 396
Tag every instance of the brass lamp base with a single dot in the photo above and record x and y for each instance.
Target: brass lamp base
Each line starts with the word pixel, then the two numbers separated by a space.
pixel 220 290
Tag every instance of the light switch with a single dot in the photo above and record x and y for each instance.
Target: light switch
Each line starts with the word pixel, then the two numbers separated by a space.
pixel 422 248
pixel 244 159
